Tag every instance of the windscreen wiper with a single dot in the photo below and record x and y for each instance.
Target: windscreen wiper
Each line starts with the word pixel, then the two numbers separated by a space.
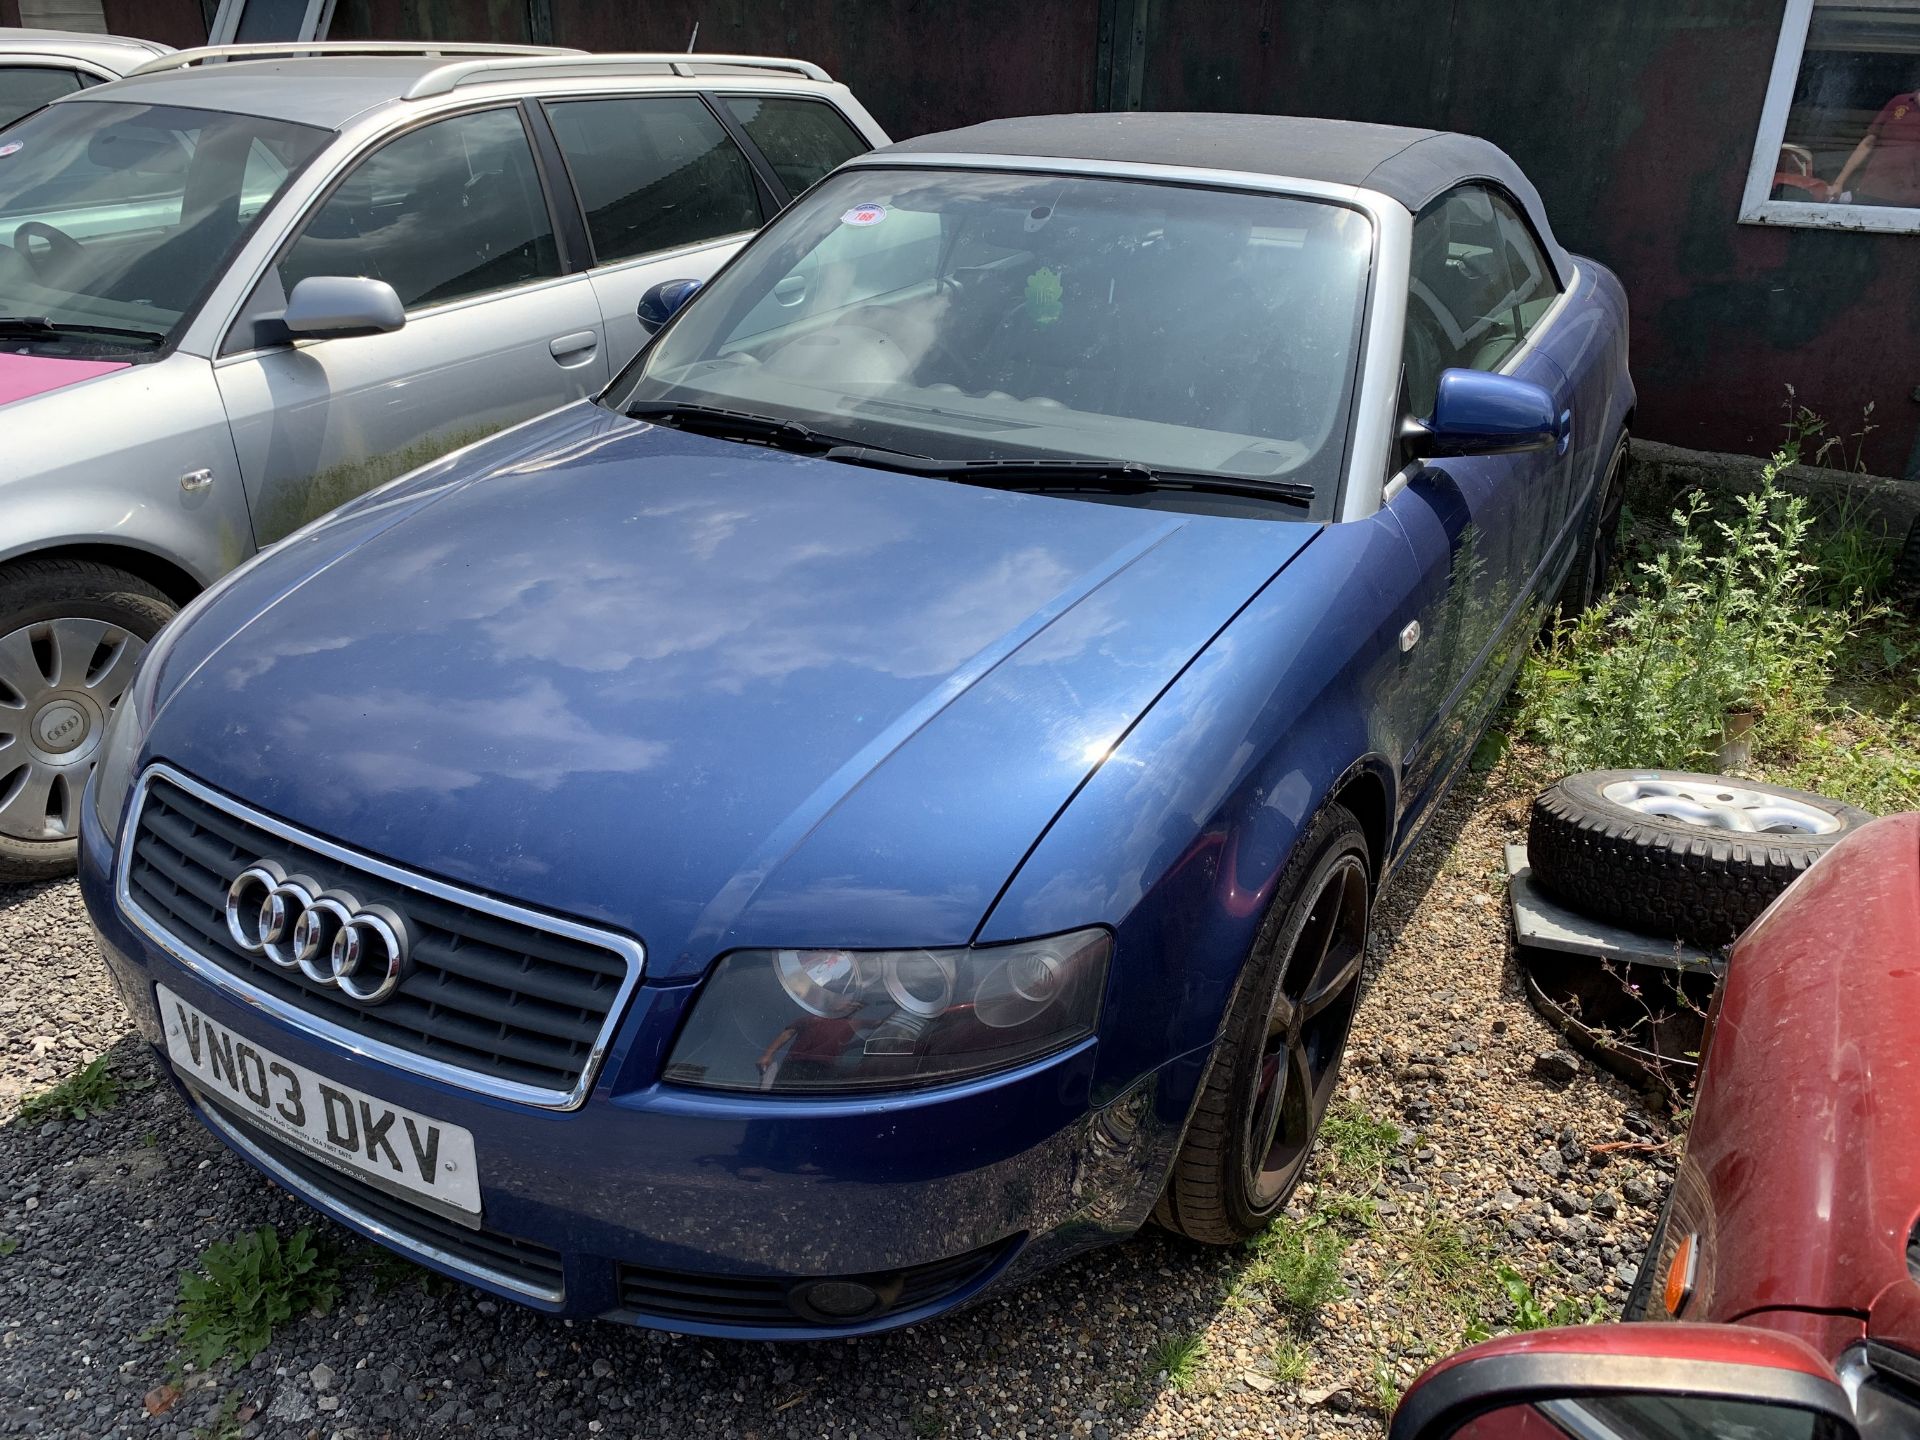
pixel 1119 477
pixel 40 327
pixel 726 424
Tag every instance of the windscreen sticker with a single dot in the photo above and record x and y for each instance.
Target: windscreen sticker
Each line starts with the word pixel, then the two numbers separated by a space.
pixel 1043 296
pixel 12 147
pixel 864 215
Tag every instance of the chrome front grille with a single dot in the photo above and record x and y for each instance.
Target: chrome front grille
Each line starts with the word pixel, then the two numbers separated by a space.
pixel 498 999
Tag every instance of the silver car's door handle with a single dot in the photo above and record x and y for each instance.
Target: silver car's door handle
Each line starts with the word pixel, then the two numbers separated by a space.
pixel 576 348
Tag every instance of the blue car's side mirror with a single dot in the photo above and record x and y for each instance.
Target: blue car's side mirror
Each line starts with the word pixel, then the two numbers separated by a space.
pixel 658 304
pixel 1479 413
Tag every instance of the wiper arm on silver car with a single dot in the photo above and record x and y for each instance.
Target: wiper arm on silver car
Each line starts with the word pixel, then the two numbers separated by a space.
pixel 1124 477
pixel 42 327
pixel 726 424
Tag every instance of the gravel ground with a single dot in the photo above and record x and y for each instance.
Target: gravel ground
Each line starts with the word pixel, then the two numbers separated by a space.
pixel 1494 1166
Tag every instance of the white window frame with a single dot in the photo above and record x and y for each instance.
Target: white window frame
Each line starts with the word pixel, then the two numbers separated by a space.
pixel 313 24
pixel 1756 208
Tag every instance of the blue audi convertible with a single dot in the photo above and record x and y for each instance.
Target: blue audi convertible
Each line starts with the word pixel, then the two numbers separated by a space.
pixel 892 792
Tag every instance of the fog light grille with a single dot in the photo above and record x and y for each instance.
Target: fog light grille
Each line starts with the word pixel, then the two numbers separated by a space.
pixel 776 1302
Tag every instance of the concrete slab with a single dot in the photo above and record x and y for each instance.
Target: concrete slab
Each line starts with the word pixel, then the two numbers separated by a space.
pixel 1542 921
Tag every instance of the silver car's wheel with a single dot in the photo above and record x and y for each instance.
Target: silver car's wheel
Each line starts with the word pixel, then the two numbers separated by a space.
pixel 70 634
pixel 59 680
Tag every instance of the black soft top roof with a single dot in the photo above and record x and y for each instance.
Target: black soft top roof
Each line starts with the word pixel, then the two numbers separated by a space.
pixel 1411 166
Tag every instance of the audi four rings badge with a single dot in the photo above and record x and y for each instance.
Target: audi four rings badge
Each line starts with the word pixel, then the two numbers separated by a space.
pixel 327 935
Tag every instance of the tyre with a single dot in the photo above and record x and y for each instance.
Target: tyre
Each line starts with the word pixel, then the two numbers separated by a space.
pixel 1599 548
pixel 70 633
pixel 1664 852
pixel 1275 1065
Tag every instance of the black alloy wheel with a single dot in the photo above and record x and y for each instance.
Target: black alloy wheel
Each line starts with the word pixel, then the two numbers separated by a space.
pixel 1277 1063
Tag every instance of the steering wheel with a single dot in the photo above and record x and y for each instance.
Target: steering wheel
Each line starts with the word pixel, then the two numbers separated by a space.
pixel 61 248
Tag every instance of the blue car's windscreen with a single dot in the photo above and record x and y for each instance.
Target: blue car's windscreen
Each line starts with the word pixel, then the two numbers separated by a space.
pixel 966 314
pixel 116 218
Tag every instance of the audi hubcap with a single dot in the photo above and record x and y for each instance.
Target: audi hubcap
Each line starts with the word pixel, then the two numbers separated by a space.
pixel 1307 1030
pixel 59 680
pixel 1716 805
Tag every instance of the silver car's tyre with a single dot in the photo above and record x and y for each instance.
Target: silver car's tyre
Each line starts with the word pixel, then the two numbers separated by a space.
pixel 70 633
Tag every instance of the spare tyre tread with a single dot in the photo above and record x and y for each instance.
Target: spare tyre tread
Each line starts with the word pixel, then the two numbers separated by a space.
pixel 1647 875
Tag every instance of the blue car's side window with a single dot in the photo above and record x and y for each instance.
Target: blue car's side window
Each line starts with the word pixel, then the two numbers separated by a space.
pixel 1478 283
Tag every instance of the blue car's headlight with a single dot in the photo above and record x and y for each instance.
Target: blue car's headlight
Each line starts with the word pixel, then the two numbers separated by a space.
pixel 867 1019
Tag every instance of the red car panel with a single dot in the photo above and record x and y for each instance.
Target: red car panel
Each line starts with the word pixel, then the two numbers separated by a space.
pixel 1802 1173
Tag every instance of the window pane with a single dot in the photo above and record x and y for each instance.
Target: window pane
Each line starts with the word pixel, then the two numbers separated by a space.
pixel 802 139
pixel 450 210
pixel 151 199
pixel 1534 288
pixel 25 88
pixel 654 174
pixel 984 315
pixel 1853 131
pixel 1462 304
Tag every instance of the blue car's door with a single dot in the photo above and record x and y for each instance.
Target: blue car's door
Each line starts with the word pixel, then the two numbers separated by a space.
pixel 1482 529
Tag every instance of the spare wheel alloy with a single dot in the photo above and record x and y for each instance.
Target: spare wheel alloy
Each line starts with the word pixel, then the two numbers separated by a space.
pixel 1666 852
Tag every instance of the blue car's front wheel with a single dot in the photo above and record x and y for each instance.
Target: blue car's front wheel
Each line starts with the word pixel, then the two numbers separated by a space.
pixel 1278 1060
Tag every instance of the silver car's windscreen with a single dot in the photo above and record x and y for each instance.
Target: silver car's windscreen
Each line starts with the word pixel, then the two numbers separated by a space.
pixel 116 218
pixel 965 314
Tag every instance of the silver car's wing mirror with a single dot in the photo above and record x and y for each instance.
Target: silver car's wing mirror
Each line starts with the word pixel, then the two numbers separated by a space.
pixel 332 307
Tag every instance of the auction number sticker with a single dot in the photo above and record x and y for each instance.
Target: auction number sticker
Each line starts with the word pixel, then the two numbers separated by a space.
pixel 864 215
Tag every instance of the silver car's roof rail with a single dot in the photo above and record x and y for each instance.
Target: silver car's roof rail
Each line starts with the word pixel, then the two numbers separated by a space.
pixel 205 54
pixel 576 65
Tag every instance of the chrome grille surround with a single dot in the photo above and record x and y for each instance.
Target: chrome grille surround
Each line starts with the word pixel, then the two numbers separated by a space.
pixel 629 951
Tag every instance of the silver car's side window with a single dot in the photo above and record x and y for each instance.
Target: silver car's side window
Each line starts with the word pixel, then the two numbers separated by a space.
pixel 801 139
pixel 25 88
pixel 450 210
pixel 653 173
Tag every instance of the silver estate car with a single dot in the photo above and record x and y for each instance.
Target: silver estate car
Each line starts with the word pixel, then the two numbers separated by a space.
pixel 41 65
pixel 247 283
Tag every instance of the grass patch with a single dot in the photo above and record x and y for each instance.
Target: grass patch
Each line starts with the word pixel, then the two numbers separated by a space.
pixel 1360 1144
pixel 1868 759
pixel 1444 1255
pixel 1299 1265
pixel 1352 1215
pixel 91 1091
pixel 1179 1358
pixel 240 1289
pixel 1529 1309
pixel 1289 1363
pixel 1386 1388
pixel 8 1244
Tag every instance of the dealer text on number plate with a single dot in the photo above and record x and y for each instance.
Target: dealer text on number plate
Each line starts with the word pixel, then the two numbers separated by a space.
pixel 357 1131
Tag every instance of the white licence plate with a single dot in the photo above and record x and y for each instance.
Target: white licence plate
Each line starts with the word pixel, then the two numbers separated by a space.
pixel 395 1148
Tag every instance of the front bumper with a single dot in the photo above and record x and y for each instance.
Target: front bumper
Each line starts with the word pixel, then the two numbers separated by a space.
pixel 698 1211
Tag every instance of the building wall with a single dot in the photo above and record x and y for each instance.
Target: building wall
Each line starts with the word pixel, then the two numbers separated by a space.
pixel 1636 120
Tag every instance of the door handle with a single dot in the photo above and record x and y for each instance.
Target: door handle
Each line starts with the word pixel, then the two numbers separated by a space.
pixel 1564 432
pixel 574 349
